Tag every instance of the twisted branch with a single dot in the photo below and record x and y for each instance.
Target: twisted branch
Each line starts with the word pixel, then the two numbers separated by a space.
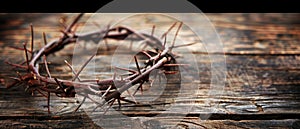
pixel 108 90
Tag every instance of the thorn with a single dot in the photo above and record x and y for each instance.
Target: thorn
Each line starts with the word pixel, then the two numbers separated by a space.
pixel 64 32
pixel 60 86
pixel 177 31
pixel 80 104
pixel 18 48
pixel 69 28
pixel 72 69
pixel 133 98
pixel 126 100
pixel 45 39
pixel 15 78
pixel 153 28
pixel 137 65
pixel 77 74
pixel 139 87
pixel 184 45
pixel 16 65
pixel 165 42
pixel 100 104
pixel 109 106
pixel 168 30
pixel 46 66
pixel 96 24
pixel 14 83
pixel 32 39
pixel 106 91
pixel 145 45
pixel 27 61
pixel 147 54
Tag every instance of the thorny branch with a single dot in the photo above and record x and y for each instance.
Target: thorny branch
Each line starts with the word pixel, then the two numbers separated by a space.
pixel 108 90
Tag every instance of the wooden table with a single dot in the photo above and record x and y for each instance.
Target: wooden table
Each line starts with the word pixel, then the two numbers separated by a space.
pixel 261 91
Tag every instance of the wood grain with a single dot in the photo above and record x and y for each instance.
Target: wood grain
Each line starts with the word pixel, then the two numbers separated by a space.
pixel 262 88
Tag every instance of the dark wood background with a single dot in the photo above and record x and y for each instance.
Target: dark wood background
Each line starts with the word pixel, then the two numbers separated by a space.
pixel 262 88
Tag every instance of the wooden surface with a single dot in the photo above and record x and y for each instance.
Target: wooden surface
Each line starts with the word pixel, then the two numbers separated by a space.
pixel 262 88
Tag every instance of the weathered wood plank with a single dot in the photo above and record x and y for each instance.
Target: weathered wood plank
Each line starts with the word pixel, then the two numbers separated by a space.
pixel 262 88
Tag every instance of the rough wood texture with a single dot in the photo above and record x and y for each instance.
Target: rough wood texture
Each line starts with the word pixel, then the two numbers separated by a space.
pixel 262 88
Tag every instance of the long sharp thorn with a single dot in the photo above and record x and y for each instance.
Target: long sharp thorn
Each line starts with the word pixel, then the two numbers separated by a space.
pixel 16 65
pixel 137 65
pixel 153 29
pixel 27 61
pixel 125 69
pixel 106 91
pixel 147 54
pixel 32 39
pixel 45 39
pixel 184 45
pixel 60 86
pixel 177 31
pixel 141 89
pixel 46 66
pixel 19 48
pixel 133 98
pixel 165 41
pixel 83 100
pixel 173 25
pixel 141 84
pixel 72 69
pixel 145 46
pixel 128 101
pixel 15 78
pixel 69 28
pixel 101 104
pixel 80 70
pixel 109 106
pixel 96 24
